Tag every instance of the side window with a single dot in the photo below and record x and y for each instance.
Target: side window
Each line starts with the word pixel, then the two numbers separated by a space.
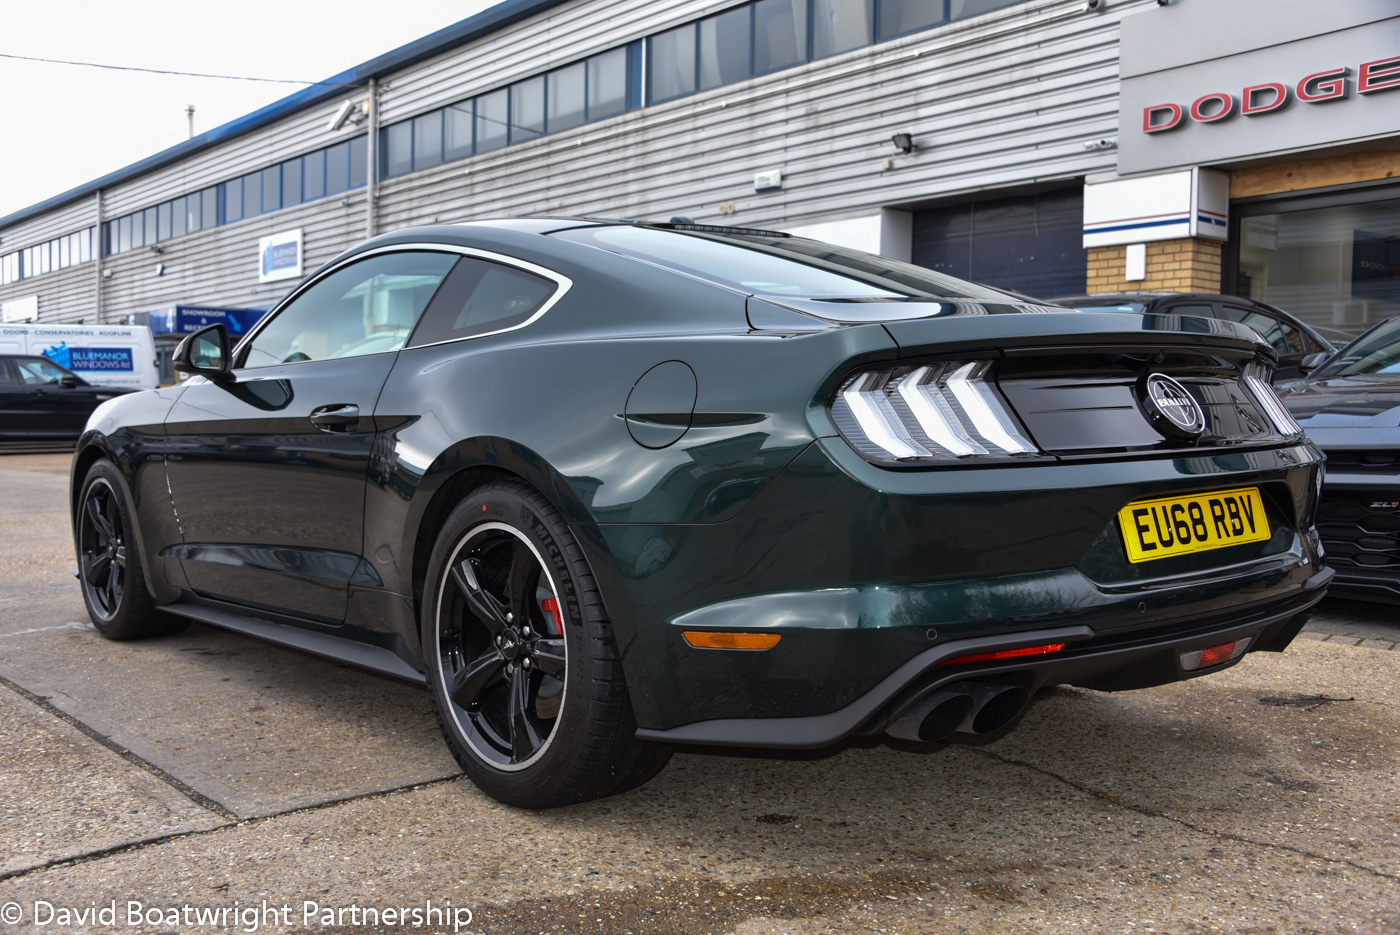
pixel 1285 338
pixel 6 376
pixel 369 307
pixel 36 371
pixel 481 297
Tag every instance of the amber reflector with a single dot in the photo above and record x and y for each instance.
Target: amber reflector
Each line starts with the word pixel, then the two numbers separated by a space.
pixel 1004 654
pixel 702 639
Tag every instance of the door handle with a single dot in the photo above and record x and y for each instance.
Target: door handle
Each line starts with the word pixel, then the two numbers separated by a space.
pixel 339 417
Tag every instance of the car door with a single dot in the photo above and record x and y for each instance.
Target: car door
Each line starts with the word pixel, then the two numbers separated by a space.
pixel 267 467
pixel 16 402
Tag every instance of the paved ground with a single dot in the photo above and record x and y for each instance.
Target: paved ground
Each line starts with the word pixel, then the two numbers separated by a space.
pixel 212 772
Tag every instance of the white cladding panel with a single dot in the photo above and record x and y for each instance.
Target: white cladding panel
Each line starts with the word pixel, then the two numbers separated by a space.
pixel 1004 99
pixel 67 219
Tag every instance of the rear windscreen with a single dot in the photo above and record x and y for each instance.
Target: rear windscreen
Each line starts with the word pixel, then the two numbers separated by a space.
pixel 772 265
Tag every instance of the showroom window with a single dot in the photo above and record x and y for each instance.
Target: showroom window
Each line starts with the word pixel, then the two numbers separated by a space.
pixel 1332 261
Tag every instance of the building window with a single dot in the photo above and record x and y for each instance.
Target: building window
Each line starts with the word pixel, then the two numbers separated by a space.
pixel 527 109
pixel 780 34
pixel 566 94
pixel 962 9
pixel 313 169
pixel 427 140
pixel 291 183
pixel 724 48
pixel 337 169
pixel 1337 267
pixel 671 64
pixel 492 120
pixel 898 17
pixel 457 131
pixel 607 84
pixel 398 149
pixel 840 26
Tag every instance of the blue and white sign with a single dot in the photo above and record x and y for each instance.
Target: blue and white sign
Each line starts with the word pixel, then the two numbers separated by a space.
pixel 91 359
pixel 1172 205
pixel 187 319
pixel 280 256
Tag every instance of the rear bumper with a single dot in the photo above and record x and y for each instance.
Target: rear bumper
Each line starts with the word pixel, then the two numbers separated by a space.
pixel 1106 663
pixel 863 572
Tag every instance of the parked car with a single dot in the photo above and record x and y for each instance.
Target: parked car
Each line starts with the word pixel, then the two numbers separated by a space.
pixel 1350 408
pixel 608 487
pixel 41 400
pixel 1292 339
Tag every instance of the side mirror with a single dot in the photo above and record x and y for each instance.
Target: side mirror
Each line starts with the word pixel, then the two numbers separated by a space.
pixel 68 381
pixel 1312 362
pixel 206 352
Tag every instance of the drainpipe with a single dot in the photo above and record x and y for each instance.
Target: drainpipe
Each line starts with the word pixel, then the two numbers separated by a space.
pixel 372 152
pixel 97 256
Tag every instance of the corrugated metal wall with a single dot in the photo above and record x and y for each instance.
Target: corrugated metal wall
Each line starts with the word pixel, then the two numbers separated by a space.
pixel 1001 100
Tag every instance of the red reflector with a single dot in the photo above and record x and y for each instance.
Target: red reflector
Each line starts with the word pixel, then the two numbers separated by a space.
pixel 1004 654
pixel 1215 655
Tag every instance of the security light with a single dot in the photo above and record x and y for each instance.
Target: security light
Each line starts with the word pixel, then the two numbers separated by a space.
pixel 903 142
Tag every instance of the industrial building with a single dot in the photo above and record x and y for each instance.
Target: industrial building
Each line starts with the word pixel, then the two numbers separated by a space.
pixel 1046 146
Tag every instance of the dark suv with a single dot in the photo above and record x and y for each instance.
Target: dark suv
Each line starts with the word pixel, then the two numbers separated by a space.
pixel 41 400
pixel 1292 339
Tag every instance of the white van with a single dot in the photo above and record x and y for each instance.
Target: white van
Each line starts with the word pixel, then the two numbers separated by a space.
pixel 103 355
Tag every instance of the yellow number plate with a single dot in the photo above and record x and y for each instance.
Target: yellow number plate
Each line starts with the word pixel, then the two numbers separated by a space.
pixel 1154 529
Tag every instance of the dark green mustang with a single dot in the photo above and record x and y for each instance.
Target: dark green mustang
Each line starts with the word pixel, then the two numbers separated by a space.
pixel 608 487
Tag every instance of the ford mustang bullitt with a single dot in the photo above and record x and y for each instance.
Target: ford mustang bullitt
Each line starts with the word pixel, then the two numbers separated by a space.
pixel 608 487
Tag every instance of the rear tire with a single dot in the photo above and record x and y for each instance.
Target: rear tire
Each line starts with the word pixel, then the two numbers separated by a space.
pixel 110 573
pixel 533 707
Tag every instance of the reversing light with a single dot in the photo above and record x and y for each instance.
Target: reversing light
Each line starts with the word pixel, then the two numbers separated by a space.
pixel 944 412
pixel 1004 654
pixel 710 639
pixel 1214 655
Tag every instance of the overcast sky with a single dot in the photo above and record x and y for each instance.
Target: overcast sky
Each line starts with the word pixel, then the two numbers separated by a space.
pixel 65 125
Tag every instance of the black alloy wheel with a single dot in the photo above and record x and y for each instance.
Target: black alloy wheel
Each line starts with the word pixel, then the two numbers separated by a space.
pixel 109 563
pixel 523 670
pixel 502 647
pixel 102 551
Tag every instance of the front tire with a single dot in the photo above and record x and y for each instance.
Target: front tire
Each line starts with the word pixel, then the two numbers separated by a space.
pixel 522 666
pixel 109 563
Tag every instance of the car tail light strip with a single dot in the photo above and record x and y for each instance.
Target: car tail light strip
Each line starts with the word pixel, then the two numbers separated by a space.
pixel 943 412
pixel 1258 378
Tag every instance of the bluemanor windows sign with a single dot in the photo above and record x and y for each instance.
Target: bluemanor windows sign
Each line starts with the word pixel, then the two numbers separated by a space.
pixel 91 359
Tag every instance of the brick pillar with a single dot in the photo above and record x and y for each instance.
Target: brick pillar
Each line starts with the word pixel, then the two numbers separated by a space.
pixel 1191 264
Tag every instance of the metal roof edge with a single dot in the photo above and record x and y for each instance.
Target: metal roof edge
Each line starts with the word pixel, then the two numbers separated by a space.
pixel 487 21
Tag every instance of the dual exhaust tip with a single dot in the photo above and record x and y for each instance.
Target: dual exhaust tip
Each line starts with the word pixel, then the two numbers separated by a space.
pixel 962 707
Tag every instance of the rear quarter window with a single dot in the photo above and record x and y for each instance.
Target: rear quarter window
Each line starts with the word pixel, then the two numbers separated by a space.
pixel 481 297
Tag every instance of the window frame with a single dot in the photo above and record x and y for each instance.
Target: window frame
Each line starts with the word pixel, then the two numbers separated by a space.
pixel 564 284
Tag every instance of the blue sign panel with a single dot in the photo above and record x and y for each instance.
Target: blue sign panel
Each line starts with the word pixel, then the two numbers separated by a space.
pixel 187 319
pixel 91 359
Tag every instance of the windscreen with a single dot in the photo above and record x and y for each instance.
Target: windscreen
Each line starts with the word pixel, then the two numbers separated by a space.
pixel 1376 353
pixel 783 266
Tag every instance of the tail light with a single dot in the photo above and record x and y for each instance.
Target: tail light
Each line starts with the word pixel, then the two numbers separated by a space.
pixel 1259 378
pixel 942 413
